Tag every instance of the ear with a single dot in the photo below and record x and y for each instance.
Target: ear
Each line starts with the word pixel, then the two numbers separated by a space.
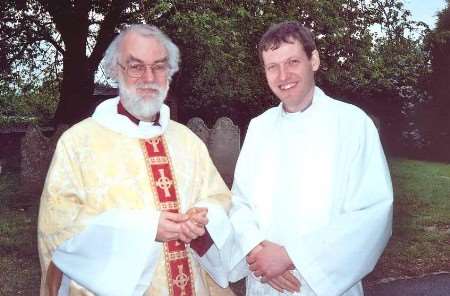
pixel 315 60
pixel 114 73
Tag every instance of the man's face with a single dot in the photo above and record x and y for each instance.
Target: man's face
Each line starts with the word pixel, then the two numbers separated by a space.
pixel 143 95
pixel 290 74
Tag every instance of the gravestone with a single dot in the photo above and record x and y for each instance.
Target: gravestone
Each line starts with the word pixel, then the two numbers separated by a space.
pixel 224 147
pixel 223 142
pixel 36 154
pixel 198 126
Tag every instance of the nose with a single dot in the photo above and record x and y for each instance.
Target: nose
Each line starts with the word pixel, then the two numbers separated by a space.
pixel 148 75
pixel 283 73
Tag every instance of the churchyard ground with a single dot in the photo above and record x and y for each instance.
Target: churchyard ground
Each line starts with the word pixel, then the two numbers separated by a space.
pixel 420 243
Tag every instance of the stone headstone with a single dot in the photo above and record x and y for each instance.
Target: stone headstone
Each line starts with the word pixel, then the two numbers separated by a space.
pixel 198 126
pixel 223 142
pixel 224 146
pixel 36 154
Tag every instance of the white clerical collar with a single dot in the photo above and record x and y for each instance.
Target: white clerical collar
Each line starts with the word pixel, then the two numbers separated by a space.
pixel 107 115
pixel 317 97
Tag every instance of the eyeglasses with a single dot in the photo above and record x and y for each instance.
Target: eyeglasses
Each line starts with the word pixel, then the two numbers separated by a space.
pixel 138 70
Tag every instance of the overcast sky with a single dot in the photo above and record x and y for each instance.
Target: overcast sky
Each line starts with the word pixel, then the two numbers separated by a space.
pixel 425 10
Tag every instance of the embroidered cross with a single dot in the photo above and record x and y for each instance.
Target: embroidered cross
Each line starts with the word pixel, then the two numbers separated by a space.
pixel 154 143
pixel 181 280
pixel 164 183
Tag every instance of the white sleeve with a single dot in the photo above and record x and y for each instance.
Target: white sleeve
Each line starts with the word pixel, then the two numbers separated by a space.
pixel 115 255
pixel 339 255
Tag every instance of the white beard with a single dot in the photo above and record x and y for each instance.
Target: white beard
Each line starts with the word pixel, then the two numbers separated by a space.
pixel 137 105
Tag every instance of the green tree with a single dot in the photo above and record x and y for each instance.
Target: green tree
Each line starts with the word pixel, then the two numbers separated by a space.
pixel 437 112
pixel 40 39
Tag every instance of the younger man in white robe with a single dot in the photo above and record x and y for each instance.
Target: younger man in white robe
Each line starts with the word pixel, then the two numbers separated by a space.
pixel 312 195
pixel 130 194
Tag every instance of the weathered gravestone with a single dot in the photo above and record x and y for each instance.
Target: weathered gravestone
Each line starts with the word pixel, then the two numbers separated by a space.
pixel 223 142
pixel 36 154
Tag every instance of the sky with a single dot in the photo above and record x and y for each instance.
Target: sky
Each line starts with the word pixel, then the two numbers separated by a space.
pixel 425 10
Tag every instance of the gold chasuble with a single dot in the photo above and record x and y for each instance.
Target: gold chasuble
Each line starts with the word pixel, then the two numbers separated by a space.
pixel 99 210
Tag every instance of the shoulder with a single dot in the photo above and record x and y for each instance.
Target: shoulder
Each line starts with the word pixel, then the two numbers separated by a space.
pixel 85 129
pixel 264 119
pixel 181 135
pixel 346 113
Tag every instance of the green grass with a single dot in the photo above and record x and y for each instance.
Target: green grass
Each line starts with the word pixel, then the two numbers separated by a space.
pixel 19 263
pixel 421 232
pixel 420 242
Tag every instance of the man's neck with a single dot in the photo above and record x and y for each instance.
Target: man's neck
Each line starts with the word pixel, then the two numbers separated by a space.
pixel 299 108
pixel 304 104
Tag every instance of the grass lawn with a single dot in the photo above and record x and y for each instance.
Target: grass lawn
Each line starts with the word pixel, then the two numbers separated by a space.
pixel 420 242
pixel 421 235
pixel 19 263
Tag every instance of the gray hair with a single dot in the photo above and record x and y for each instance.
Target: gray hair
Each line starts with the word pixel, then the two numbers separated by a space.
pixel 111 57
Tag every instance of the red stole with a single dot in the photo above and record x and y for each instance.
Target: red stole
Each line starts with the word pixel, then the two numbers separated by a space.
pixel 178 268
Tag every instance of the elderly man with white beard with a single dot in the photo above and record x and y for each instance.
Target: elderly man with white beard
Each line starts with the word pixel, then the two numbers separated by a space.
pixel 132 203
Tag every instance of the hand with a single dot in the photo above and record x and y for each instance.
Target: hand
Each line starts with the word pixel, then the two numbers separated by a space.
pixel 253 252
pixel 169 226
pixel 53 279
pixel 269 262
pixel 285 282
pixel 195 225
pixel 198 215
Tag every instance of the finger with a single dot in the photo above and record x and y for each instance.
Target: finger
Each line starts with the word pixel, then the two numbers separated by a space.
pixel 251 260
pixel 186 231
pixel 274 285
pixel 192 212
pixel 198 230
pixel 255 250
pixel 285 284
pixel 253 267
pixel 186 239
pixel 175 217
pixel 199 219
pixel 258 273
pixel 169 226
pixel 292 281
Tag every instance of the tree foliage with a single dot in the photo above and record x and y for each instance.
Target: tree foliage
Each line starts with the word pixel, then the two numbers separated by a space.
pixel 435 116
pixel 372 53
pixel 60 39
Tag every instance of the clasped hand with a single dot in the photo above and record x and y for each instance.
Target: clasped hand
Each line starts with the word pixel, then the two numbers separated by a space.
pixel 184 227
pixel 272 264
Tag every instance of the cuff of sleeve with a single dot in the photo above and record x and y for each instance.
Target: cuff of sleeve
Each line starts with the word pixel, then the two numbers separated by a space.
pixel 219 226
pixel 202 244
pixel 310 271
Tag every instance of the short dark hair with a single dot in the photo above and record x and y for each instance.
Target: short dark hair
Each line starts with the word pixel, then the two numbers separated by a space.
pixel 284 32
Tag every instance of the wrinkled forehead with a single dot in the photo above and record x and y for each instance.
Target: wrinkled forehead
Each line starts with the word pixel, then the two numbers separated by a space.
pixel 143 49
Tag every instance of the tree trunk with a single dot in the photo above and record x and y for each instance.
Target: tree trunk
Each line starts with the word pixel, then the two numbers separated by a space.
pixel 76 91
